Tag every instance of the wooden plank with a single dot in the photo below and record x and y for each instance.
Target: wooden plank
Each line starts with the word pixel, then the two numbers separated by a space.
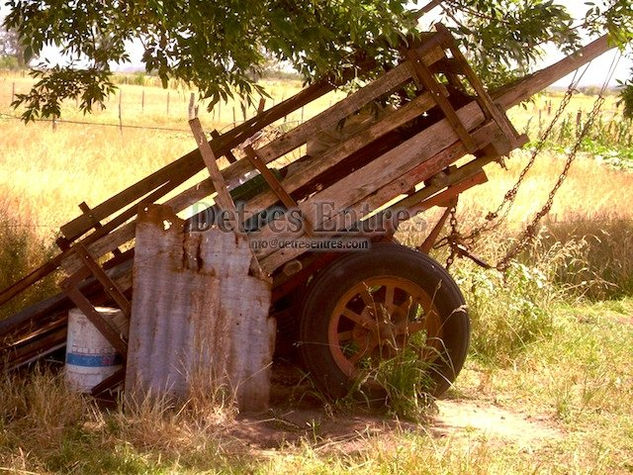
pixel 311 169
pixel 274 184
pixel 391 166
pixel 59 303
pixel 521 90
pixel 191 163
pixel 110 334
pixel 431 239
pixel 272 181
pixel 229 154
pixel 83 206
pixel 429 82
pixel 110 382
pixel 303 174
pixel 343 108
pixel 109 285
pixel 490 108
pixel 224 196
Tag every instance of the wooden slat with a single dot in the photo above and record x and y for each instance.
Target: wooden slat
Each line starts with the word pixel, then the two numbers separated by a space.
pixel 393 165
pixel 274 184
pixel 303 174
pixel 59 303
pixel 110 382
pixel 432 237
pixel 110 334
pixel 229 154
pixel 490 108
pixel 521 90
pixel 224 196
pixel 191 163
pixel 427 78
pixel 109 285
pixel 344 108
pixel 83 206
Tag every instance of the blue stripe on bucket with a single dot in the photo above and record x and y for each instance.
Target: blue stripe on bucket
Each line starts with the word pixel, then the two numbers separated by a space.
pixel 93 361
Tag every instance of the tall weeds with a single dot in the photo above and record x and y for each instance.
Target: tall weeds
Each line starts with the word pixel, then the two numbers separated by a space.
pixel 21 249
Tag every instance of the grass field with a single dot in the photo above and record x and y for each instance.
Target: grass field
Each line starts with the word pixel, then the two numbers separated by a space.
pixel 550 357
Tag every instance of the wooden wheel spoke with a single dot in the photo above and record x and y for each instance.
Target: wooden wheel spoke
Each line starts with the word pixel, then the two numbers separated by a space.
pixel 345 336
pixel 390 291
pixel 367 349
pixel 361 320
pixel 367 298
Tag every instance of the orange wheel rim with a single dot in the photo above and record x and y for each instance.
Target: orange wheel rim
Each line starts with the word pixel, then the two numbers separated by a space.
pixel 378 318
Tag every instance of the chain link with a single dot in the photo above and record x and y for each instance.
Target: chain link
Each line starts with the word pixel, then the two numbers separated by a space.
pixel 530 231
pixel 509 198
pixel 454 238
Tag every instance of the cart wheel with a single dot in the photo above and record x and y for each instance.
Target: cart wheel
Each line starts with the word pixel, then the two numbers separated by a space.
pixel 371 306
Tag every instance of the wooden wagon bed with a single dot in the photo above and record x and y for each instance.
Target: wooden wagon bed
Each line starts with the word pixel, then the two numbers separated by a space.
pixel 404 158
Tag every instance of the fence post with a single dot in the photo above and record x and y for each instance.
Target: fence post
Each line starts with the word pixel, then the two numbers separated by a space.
pixel 578 122
pixel 167 102
pixel 234 118
pixel 54 122
pixel 12 92
pixel 120 115
pixel 143 101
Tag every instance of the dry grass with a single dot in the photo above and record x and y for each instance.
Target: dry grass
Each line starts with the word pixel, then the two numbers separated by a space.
pixel 530 347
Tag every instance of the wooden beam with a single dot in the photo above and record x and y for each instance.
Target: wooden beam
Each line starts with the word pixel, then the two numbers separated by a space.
pixel 425 75
pixel 490 109
pixel 110 286
pixel 110 334
pixel 522 89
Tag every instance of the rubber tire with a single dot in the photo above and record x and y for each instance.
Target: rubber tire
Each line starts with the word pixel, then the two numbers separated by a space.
pixel 383 259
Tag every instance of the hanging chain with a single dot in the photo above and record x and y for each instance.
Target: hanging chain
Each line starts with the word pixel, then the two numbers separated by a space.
pixel 530 231
pixel 509 198
pixel 453 239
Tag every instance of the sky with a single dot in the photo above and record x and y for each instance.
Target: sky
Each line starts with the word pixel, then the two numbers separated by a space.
pixel 594 75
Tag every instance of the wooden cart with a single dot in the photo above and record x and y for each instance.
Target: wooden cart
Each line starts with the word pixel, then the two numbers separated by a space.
pixel 346 311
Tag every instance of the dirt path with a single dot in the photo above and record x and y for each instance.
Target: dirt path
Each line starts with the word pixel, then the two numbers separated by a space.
pixel 457 419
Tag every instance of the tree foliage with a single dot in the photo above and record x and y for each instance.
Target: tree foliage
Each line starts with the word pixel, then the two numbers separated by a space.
pixel 11 48
pixel 221 46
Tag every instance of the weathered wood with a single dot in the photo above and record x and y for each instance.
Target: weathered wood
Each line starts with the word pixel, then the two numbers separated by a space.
pixel 521 90
pixel 433 236
pixel 347 194
pixel 29 316
pixel 110 334
pixel 199 321
pixel 110 382
pixel 224 196
pixel 110 286
pixel 430 83
pixel 490 108
pixel 303 174
pixel 385 83
pixel 188 165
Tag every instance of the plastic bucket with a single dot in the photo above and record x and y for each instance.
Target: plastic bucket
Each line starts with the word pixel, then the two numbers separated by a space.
pixel 89 357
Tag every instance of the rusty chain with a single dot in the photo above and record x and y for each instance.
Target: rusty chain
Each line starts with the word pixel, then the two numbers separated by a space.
pixel 453 238
pixel 530 231
pixel 509 198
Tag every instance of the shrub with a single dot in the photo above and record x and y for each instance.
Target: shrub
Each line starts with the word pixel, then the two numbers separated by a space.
pixel 507 312
pixel 20 251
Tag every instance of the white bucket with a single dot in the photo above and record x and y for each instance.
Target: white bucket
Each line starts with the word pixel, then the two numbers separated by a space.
pixel 89 357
